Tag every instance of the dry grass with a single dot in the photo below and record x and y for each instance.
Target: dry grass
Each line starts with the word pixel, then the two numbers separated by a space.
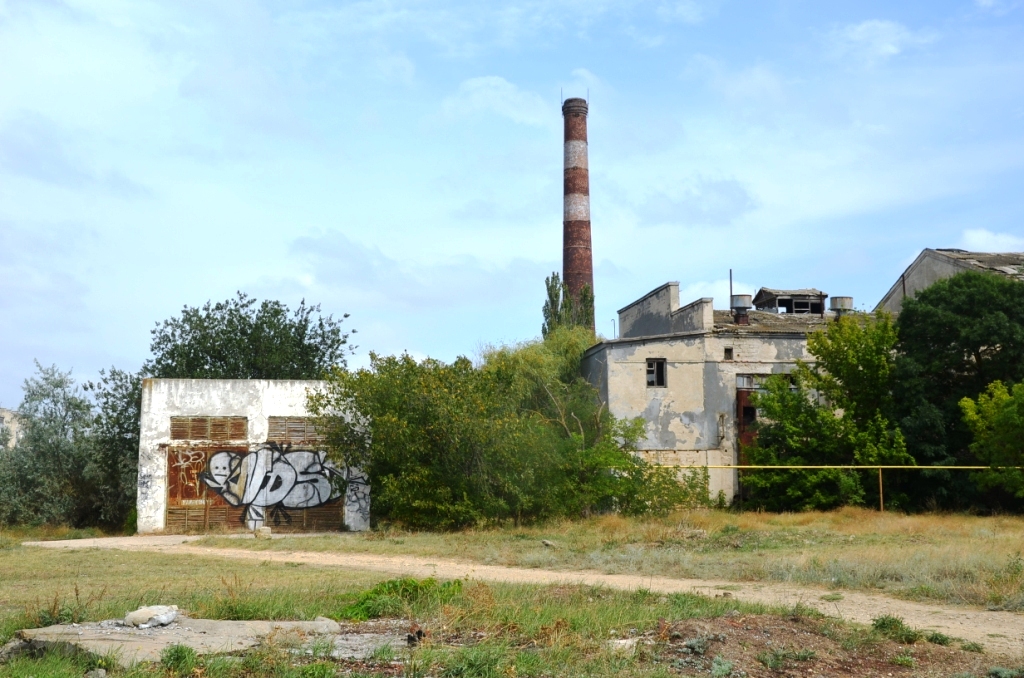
pixel 952 558
pixel 40 585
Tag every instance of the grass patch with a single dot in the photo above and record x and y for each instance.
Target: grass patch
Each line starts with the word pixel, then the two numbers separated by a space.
pixel 956 559
pixel 895 629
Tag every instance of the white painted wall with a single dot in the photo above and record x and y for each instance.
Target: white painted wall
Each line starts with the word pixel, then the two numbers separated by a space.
pixel 165 398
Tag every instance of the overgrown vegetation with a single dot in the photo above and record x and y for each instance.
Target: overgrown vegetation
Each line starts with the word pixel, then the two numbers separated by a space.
pixel 905 393
pixel 563 309
pixel 835 411
pixel 76 461
pixel 520 437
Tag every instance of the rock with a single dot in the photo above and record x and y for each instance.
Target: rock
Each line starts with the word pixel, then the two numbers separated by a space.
pixel 97 673
pixel 625 645
pixel 153 615
pixel 262 532
pixel 549 544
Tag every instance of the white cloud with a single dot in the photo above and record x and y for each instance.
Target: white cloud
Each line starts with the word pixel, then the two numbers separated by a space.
pixel 982 240
pixel 494 94
pixel 874 41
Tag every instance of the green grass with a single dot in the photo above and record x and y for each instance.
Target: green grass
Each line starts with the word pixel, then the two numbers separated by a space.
pixel 950 558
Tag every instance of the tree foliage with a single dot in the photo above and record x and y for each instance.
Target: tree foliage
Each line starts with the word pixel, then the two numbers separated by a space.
pixel 832 412
pixel 955 338
pixel 997 420
pixel 77 462
pixel 562 309
pixel 521 436
pixel 236 339
pixel 44 478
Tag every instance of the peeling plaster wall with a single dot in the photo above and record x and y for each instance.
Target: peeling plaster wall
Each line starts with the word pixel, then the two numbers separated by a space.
pixel 163 398
pixel 692 420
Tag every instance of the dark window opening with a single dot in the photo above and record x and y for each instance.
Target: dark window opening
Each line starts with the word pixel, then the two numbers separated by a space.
pixel 749 415
pixel 728 353
pixel 656 372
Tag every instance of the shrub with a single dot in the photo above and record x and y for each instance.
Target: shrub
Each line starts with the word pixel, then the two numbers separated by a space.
pixel 894 628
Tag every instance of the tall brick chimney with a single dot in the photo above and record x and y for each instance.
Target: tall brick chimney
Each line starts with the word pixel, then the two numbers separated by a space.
pixel 577 258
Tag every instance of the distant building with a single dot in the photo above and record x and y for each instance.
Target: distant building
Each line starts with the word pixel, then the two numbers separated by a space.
pixel 932 266
pixel 689 371
pixel 9 422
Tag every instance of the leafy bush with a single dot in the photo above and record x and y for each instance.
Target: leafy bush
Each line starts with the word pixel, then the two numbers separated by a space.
pixel 836 412
pixel 521 436
pixel 390 598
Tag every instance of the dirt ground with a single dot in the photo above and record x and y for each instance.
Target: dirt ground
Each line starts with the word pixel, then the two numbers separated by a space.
pixel 1000 632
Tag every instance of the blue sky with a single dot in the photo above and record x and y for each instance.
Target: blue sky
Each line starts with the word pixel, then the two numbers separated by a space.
pixel 401 161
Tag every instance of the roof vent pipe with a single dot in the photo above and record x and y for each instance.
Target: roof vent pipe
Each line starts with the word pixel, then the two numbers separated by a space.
pixel 841 306
pixel 740 304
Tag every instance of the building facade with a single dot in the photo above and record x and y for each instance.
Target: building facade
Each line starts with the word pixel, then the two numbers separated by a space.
pixel 689 372
pixel 9 424
pixel 932 266
pixel 235 454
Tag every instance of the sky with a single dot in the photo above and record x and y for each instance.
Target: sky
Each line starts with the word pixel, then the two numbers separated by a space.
pixel 401 161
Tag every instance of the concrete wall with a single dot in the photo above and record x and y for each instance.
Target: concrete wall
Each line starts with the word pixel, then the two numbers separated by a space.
pixel 257 401
pixel 9 422
pixel 929 268
pixel 693 418
pixel 651 314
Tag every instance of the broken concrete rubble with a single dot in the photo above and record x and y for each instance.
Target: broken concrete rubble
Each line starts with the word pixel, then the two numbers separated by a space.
pixel 152 615
pixel 132 644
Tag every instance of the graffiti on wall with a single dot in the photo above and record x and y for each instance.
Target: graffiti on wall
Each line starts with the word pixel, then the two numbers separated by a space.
pixel 270 480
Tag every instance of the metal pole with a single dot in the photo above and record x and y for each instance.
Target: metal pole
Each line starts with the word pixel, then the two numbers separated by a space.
pixel 881 502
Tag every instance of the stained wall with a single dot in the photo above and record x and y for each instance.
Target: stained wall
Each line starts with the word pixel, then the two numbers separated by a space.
pixel 208 454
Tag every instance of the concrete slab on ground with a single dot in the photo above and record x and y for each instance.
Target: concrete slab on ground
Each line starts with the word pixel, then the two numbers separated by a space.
pixel 205 636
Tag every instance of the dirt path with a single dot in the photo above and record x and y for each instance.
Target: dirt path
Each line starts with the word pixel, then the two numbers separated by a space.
pixel 1000 632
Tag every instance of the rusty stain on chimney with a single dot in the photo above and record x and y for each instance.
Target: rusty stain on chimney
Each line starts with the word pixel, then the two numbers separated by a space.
pixel 577 257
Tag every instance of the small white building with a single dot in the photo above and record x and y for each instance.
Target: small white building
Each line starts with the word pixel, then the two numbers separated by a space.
pixel 689 371
pixel 237 454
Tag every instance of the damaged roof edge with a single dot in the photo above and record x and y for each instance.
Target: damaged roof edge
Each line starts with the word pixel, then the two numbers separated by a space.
pixel 649 294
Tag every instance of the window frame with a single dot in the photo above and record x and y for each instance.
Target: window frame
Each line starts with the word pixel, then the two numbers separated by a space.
pixel 656 370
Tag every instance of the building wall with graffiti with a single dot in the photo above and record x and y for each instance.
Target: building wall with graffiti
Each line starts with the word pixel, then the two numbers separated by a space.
pixel 230 455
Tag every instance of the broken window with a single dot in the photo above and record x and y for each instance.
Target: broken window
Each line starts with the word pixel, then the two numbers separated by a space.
pixel 749 415
pixel 656 372
pixel 728 353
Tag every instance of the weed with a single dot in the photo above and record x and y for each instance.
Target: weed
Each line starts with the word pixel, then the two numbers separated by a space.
pixel 477 661
pixel 319 670
pixel 777 658
pixel 720 668
pixel 389 598
pixel 181 660
pixel 971 646
pixel 383 654
pixel 904 659
pixel 1000 672
pixel 832 597
pixel 936 638
pixel 894 628
pixel 321 647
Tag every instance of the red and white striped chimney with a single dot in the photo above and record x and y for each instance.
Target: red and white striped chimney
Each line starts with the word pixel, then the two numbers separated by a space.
pixel 577 257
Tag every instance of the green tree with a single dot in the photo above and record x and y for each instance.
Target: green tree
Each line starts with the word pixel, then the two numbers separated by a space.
pixel 114 459
pixel 562 309
pixel 997 420
pixel 520 437
pixel 44 479
pixel 955 338
pixel 236 339
pixel 833 412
